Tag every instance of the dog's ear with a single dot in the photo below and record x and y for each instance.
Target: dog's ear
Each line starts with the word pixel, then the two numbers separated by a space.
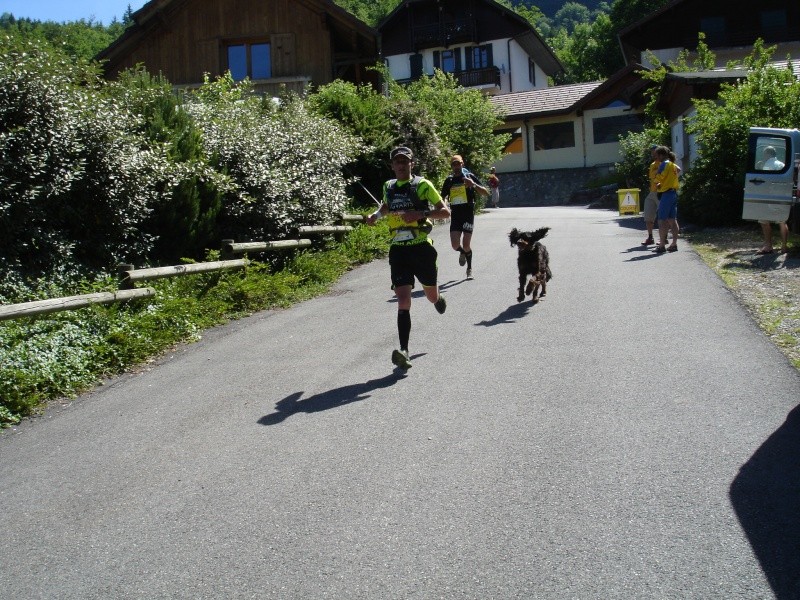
pixel 513 236
pixel 539 234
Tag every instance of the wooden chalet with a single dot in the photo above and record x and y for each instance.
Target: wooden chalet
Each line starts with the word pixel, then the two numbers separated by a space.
pixel 482 43
pixel 278 44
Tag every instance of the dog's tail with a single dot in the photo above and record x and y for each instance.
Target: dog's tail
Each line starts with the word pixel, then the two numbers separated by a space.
pixel 539 234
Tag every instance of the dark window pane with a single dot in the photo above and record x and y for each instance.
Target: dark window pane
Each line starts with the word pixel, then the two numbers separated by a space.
pixel 448 61
pixel 480 57
pixel 261 60
pixel 607 130
pixel 554 135
pixel 237 62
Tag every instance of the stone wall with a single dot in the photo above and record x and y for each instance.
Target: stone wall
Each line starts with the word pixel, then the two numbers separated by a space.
pixel 551 188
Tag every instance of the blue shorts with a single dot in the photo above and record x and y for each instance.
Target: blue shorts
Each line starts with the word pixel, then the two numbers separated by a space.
pixel 668 205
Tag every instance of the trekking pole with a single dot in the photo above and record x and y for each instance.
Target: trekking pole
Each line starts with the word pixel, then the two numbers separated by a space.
pixel 374 199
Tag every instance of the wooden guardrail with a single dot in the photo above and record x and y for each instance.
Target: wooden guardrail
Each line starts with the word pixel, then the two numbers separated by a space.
pixel 128 275
pixel 42 307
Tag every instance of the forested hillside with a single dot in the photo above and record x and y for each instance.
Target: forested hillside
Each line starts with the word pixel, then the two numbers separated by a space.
pixel 551 7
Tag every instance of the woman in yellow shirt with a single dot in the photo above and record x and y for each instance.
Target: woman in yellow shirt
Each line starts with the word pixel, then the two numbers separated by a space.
pixel 667 185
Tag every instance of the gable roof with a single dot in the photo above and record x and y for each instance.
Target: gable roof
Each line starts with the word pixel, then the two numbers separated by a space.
pixel 625 84
pixel 156 14
pixel 560 99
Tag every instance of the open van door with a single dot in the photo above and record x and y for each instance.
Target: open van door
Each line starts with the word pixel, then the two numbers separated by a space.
pixel 770 185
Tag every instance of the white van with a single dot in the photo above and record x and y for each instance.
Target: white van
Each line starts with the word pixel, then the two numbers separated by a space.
pixel 770 186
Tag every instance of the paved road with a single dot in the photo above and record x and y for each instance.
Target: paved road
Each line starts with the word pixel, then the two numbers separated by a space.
pixel 632 436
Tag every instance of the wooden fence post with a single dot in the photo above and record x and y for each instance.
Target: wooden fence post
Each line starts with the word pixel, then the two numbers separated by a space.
pixel 125 282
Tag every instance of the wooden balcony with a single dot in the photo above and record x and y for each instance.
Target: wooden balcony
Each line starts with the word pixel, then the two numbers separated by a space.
pixel 445 34
pixel 479 77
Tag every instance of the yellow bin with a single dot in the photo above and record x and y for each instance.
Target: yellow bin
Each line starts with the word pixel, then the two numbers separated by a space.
pixel 628 201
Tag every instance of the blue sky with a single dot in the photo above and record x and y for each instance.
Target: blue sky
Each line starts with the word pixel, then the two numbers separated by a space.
pixel 70 10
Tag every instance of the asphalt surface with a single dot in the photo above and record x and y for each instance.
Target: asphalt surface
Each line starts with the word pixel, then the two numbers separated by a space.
pixel 633 435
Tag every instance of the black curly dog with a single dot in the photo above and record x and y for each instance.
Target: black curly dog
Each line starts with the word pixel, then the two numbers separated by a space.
pixel 532 259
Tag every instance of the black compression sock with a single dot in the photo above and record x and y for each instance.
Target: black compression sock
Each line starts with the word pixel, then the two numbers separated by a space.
pixel 469 259
pixel 404 327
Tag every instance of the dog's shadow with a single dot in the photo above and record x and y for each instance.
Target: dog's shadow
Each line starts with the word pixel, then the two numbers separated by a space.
pixel 509 315
pixel 326 400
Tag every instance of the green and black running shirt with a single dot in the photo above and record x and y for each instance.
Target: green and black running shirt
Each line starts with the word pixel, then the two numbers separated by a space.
pixel 415 194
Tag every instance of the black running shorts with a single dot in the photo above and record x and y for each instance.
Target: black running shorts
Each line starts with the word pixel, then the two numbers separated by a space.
pixel 416 260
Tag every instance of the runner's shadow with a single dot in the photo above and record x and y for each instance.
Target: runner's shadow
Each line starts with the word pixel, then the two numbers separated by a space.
pixel 509 315
pixel 766 497
pixel 326 400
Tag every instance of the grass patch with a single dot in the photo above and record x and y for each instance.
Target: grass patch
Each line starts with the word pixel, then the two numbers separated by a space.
pixel 769 286
pixel 63 354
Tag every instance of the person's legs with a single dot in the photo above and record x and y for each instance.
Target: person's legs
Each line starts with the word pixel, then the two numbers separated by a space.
pixel 649 225
pixel 650 208
pixel 675 229
pixel 465 244
pixel 667 212
pixel 784 227
pixel 455 240
pixel 400 357
pixel 766 229
pixel 427 272
pixel 663 228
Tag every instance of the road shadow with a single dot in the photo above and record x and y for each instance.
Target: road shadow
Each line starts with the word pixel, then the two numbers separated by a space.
pixel 642 253
pixel 509 315
pixel 766 497
pixel 750 259
pixel 326 400
pixel 442 286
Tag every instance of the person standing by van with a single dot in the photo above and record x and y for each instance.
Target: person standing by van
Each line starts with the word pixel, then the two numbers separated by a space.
pixel 766 229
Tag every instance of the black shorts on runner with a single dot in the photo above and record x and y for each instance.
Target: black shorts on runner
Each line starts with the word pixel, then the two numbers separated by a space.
pixel 462 221
pixel 416 260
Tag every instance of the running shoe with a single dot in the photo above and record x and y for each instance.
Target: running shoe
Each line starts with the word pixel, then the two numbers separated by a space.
pixel 401 359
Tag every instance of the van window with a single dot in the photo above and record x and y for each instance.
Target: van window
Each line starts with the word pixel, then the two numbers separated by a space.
pixel 768 153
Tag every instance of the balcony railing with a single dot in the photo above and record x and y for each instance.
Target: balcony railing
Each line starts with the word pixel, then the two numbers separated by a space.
pixel 476 77
pixel 471 78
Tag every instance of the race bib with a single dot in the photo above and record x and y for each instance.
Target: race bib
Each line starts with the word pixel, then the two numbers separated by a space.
pixel 403 235
pixel 458 194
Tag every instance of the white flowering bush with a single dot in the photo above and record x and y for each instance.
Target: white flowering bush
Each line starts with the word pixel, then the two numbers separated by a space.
pixel 76 179
pixel 286 163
